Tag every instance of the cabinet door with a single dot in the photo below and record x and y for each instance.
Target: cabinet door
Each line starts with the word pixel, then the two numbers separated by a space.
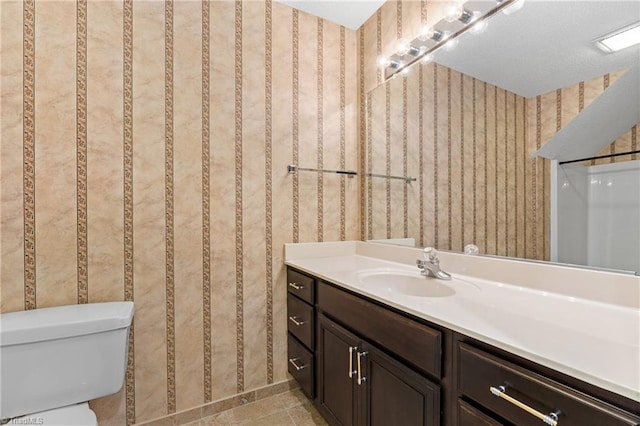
pixel 395 394
pixel 337 350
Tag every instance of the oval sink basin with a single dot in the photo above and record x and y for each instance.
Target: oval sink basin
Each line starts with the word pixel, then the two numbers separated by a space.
pixel 407 283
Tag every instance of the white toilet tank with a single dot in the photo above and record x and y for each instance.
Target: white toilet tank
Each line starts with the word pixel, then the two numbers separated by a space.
pixel 54 357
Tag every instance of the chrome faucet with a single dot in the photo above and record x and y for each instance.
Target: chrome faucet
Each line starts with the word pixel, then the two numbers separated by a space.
pixel 430 265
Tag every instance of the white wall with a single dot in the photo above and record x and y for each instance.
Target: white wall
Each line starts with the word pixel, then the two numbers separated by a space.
pixel 598 215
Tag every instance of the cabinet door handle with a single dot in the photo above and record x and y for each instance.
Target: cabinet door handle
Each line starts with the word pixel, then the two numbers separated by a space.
pixel 361 378
pixel 296 286
pixel 550 419
pixel 294 320
pixel 352 372
pixel 294 362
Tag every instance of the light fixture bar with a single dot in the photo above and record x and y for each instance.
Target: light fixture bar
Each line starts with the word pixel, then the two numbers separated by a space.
pixel 620 39
pixel 390 70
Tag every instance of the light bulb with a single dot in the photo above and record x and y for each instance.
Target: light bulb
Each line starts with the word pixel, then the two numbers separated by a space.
pixel 430 33
pixel 452 12
pixel 396 65
pixel 459 13
pixel 405 71
pixel 402 47
pixel 425 32
pixel 383 61
pixel 467 16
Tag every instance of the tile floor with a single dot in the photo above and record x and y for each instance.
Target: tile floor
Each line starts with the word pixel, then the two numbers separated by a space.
pixel 287 409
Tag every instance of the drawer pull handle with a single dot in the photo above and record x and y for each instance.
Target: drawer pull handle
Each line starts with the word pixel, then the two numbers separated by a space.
pixel 352 372
pixel 296 286
pixel 361 378
pixel 295 321
pixel 294 362
pixel 550 419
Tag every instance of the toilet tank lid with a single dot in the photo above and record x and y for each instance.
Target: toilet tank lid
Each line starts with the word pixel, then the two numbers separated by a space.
pixel 63 321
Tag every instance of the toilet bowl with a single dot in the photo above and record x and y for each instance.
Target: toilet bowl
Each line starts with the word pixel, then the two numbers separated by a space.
pixel 54 360
pixel 71 415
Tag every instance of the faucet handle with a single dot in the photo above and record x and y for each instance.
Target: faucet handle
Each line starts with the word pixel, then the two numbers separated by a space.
pixel 430 254
pixel 471 249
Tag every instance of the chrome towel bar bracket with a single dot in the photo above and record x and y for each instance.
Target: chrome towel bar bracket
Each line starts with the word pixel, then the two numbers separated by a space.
pixel 292 168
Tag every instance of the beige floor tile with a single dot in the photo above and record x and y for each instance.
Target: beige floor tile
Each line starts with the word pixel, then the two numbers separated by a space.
pixel 280 418
pixel 286 409
pixel 293 398
pixel 194 423
pixel 306 415
pixel 249 412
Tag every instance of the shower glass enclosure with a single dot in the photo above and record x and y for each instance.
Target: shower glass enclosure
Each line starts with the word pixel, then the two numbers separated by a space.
pixel 595 214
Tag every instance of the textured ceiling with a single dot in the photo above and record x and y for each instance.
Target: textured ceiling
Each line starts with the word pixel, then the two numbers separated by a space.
pixel 349 13
pixel 545 45
pixel 548 45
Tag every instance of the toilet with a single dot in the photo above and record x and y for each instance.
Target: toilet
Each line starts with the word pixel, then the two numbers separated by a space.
pixel 54 360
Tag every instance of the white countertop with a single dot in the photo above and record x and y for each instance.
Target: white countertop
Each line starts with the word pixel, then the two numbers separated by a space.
pixel 595 341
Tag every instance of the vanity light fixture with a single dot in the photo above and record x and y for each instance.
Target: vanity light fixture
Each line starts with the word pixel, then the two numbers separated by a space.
pixel 402 46
pixel 513 8
pixel 431 38
pixel 426 59
pixel 450 44
pixel 460 13
pixel 430 33
pixel 383 61
pixel 620 39
pixel 479 26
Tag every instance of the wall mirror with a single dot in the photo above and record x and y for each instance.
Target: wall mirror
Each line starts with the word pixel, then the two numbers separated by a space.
pixel 469 147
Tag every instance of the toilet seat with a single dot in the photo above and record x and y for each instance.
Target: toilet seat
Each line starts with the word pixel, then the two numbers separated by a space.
pixel 71 415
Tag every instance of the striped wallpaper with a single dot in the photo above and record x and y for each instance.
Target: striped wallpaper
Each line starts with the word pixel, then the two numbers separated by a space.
pixel 144 154
pixel 455 135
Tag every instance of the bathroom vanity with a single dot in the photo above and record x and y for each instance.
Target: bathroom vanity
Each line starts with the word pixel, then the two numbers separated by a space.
pixel 371 341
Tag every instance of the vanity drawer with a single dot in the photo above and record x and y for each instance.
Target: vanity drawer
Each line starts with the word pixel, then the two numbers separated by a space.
pixel 480 372
pixel 470 416
pixel 301 366
pixel 300 320
pixel 301 285
pixel 411 340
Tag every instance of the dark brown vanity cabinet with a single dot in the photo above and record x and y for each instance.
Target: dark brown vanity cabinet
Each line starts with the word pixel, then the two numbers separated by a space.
pixel 301 330
pixel 365 363
pixel 370 363
pixel 358 384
